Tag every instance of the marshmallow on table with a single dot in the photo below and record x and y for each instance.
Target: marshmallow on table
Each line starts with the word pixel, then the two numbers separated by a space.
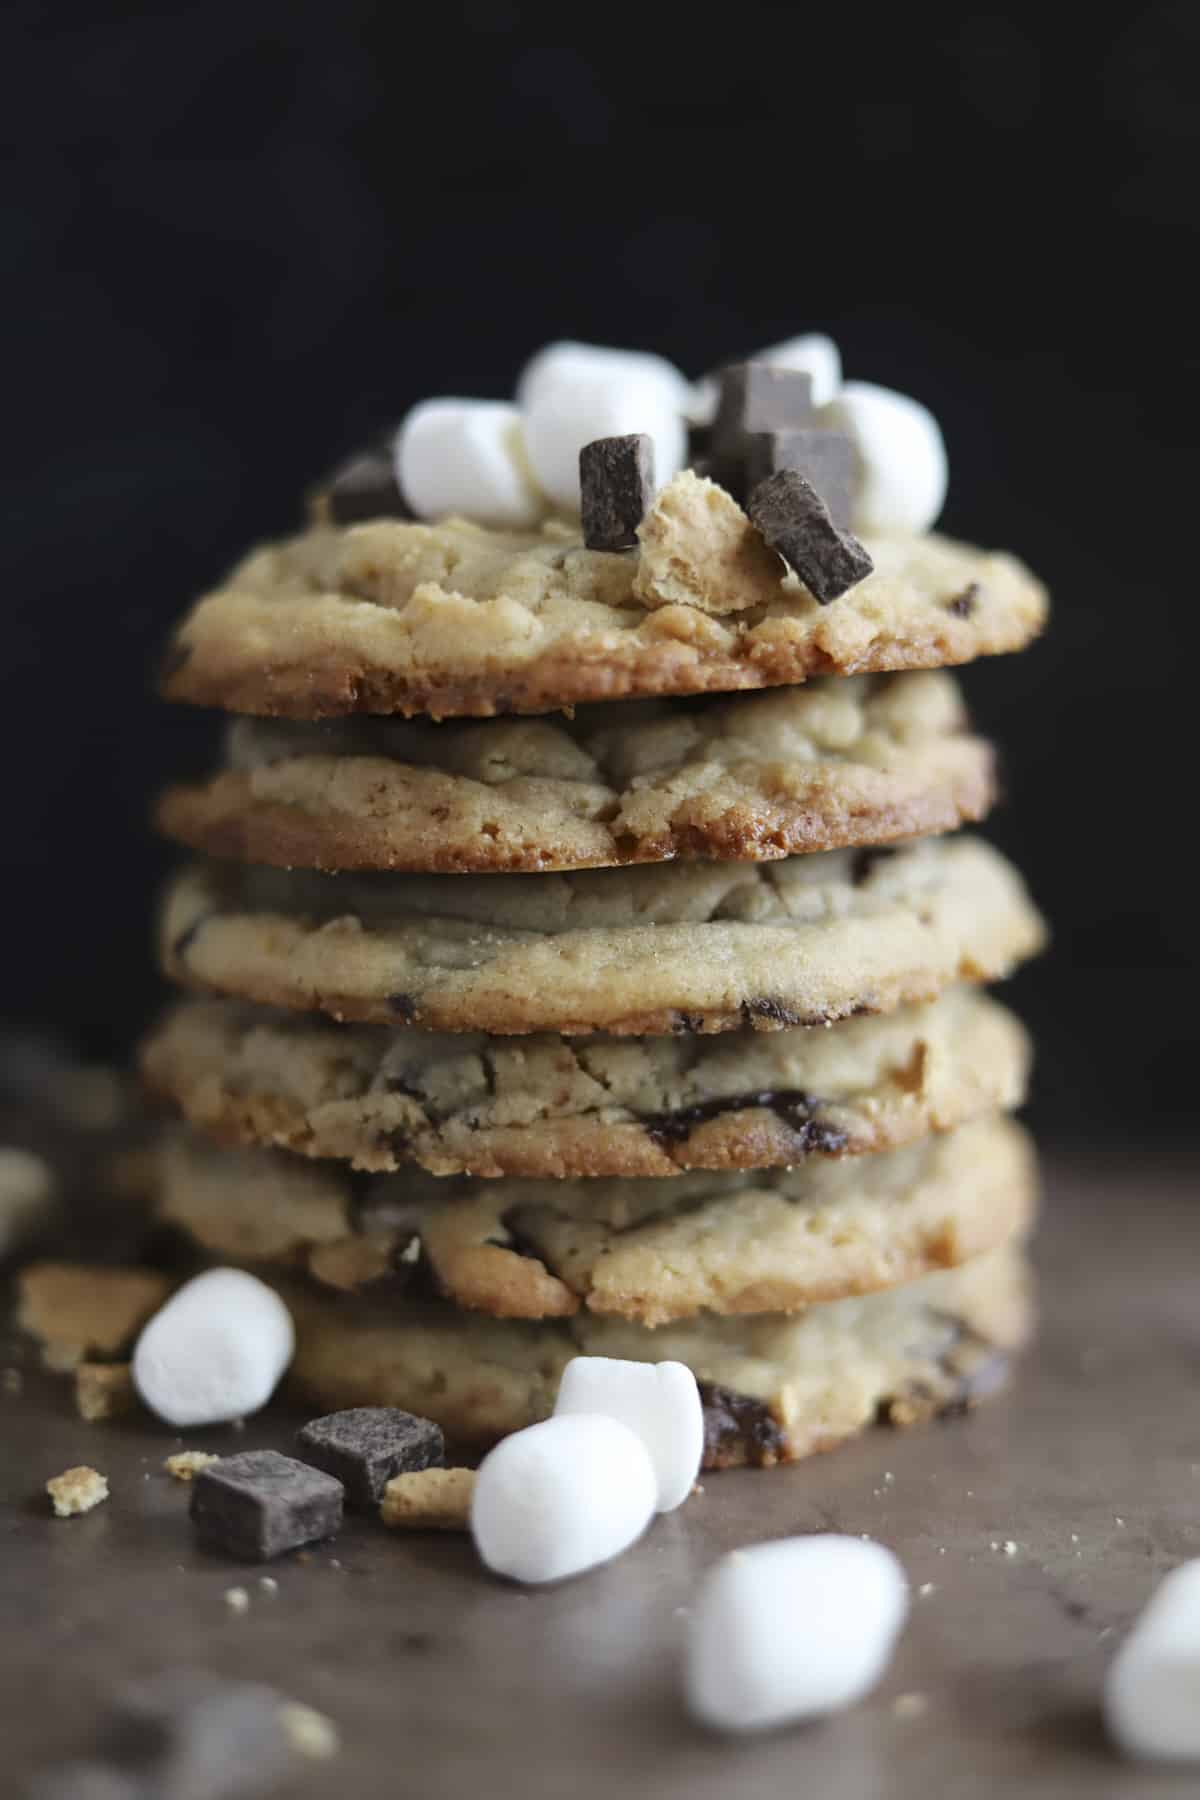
pixel 1152 1692
pixel 215 1351
pixel 792 1630
pixel 467 456
pixel 659 1401
pixel 902 457
pixel 573 394
pixel 562 1496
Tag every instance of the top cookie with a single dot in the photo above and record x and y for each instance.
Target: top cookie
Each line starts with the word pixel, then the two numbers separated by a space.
pixel 454 619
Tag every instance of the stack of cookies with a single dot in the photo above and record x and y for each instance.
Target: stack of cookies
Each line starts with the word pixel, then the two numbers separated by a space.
pixel 584 954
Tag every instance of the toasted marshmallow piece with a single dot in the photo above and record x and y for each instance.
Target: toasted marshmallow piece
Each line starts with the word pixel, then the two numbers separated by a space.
pixel 467 456
pixel 1152 1691
pixel 565 359
pixel 215 1351
pixel 792 1630
pixel 562 1496
pixel 573 399
pixel 902 457
pixel 660 1401
pixel 816 356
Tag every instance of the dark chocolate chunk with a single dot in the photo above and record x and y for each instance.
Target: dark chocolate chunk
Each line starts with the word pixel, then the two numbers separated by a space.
pixel 365 1446
pixel 863 863
pixel 827 460
pixel 363 487
pixel 259 1504
pixel 404 1007
pixel 795 521
pixel 963 605
pixel 616 487
pixel 791 1107
pixel 738 1429
pixel 773 1012
pixel 757 397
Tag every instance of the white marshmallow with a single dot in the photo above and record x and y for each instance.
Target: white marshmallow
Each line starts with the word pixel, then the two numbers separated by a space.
pixel 816 356
pixel 467 456
pixel 601 394
pixel 566 359
pixel 215 1351
pixel 791 1630
pixel 562 1496
pixel 660 1401
pixel 1152 1691
pixel 902 456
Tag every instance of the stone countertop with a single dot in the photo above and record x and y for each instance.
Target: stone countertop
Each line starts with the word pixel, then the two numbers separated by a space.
pixel 448 1684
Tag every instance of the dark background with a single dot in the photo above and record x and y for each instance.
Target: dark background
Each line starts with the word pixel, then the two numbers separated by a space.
pixel 237 239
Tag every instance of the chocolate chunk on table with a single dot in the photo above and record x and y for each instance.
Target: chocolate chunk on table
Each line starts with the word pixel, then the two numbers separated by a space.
pixel 259 1504
pixel 366 1445
pixel 827 460
pixel 616 487
pixel 795 521
pixel 363 487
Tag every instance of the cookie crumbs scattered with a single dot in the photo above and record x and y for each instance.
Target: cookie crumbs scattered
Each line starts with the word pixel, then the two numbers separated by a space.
pixel 888 1477
pixel 104 1391
pixel 429 1500
pixel 77 1490
pixel 309 1732
pixel 188 1463
pixel 268 1584
pixel 909 1706
pixel 1009 1547
pixel 237 1599
pixel 926 1588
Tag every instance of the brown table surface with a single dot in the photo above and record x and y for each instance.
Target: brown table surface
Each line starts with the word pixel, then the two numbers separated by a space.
pixel 444 1682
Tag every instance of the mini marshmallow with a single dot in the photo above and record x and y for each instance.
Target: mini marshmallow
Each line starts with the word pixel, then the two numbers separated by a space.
pixel 816 356
pixel 572 400
pixel 565 359
pixel 467 456
pixel 1152 1691
pixel 659 1401
pixel 792 1630
pixel 215 1351
pixel 902 456
pixel 561 1497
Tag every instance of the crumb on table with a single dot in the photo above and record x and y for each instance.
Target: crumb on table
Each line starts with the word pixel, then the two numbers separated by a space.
pixel 187 1463
pixel 429 1500
pixel 77 1490
pixel 308 1732
pixel 104 1391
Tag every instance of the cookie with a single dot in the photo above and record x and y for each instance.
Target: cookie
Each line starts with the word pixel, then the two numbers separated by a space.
pixel 553 1106
pixel 680 947
pixel 649 1251
pixel 775 1388
pixel 861 761
pixel 454 619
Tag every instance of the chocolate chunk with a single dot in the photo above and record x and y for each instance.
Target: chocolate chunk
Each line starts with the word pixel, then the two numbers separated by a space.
pixel 827 460
pixel 963 605
pixel 795 521
pixel 616 487
pixel 738 1429
pixel 791 1107
pixel 363 487
pixel 404 1007
pixel 365 1446
pixel 758 397
pixel 259 1504
pixel 773 1012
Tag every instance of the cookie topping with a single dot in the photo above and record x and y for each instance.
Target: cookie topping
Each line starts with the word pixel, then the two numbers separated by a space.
pixel 363 487
pixel 216 1351
pixel 826 459
pixel 365 1446
pixel 756 398
pixel 795 521
pixel 616 485
pixel 429 1500
pixel 259 1504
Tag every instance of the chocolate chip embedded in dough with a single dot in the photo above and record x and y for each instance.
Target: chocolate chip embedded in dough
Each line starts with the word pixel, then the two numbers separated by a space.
pixel 365 1446
pixel 616 488
pixel 795 521
pixel 738 1429
pixel 259 1504
pixel 827 460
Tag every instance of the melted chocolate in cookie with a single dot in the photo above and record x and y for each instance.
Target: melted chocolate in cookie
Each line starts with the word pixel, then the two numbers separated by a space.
pixel 738 1429
pixel 791 1106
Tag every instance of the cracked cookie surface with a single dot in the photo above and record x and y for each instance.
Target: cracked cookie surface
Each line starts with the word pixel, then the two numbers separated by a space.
pixel 660 948
pixel 382 1098
pixel 775 1388
pixel 864 760
pixel 649 1251
pixel 454 619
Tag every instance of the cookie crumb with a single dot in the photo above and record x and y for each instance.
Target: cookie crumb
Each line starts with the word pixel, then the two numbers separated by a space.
pixel 77 1490
pixel 309 1732
pixel 104 1391
pixel 429 1500
pixel 926 1588
pixel 187 1463
pixel 909 1706
pixel 237 1599
pixel 1010 1548
pixel 268 1584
